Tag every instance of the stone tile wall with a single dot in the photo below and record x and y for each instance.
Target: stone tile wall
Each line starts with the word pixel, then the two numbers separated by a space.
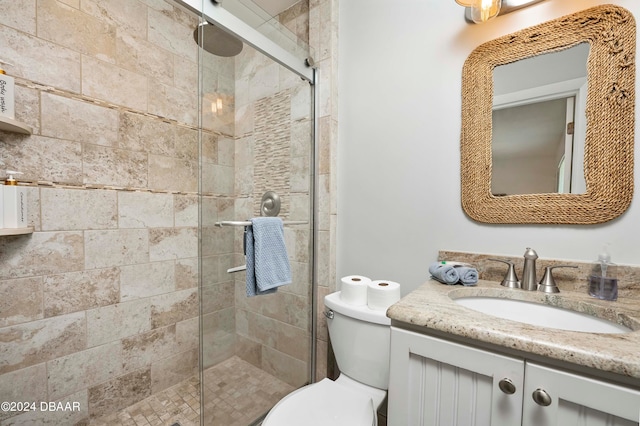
pixel 273 152
pixel 99 306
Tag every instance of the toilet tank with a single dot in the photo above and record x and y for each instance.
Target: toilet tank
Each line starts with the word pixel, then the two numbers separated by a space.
pixel 361 339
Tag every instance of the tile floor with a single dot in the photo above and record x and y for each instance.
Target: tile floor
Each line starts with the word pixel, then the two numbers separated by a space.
pixel 236 393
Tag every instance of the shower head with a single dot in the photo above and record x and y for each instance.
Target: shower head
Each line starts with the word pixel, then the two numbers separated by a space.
pixel 216 41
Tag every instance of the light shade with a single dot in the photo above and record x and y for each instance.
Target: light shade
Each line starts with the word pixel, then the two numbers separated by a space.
pixel 488 9
pixel 483 10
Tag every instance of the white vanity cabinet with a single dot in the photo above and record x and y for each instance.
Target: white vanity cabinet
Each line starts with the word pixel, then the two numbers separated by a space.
pixel 437 382
pixel 576 400
pixel 442 383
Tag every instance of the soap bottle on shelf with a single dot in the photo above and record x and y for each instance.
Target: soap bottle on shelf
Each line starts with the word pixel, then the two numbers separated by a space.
pixel 14 202
pixel 603 280
pixel 1 204
pixel 7 95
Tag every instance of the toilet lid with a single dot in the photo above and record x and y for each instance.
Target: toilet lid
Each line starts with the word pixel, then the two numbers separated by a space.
pixel 323 403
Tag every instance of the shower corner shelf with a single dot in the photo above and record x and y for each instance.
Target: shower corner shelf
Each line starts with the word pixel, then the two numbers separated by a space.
pixel 11 125
pixel 16 231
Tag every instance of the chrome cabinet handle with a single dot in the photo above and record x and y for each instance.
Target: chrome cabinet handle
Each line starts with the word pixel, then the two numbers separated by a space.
pixel 541 397
pixel 507 386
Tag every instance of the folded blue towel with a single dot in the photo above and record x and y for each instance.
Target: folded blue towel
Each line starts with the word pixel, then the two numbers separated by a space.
pixel 468 276
pixel 446 274
pixel 267 260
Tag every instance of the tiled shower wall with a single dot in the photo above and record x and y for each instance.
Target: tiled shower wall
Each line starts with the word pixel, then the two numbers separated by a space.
pixel 99 305
pixel 274 131
pixel 273 134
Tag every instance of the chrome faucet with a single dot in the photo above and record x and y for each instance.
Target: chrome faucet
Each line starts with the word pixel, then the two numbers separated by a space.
pixel 529 281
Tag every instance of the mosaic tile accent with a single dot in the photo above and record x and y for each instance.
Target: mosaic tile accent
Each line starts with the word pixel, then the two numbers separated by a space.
pixel 236 394
pixel 272 163
pixel 177 404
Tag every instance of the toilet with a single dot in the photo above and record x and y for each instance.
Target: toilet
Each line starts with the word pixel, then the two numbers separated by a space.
pixel 361 341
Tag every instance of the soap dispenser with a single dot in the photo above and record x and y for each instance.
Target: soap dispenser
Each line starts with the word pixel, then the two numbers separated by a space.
pixel 14 202
pixel 1 204
pixel 603 281
pixel 7 95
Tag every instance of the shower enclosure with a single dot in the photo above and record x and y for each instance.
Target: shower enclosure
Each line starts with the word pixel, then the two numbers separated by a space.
pixel 134 143
pixel 256 137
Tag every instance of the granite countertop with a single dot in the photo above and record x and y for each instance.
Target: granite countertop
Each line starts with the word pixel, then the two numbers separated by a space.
pixel 431 306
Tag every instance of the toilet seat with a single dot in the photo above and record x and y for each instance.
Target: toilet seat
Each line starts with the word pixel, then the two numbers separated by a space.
pixel 324 403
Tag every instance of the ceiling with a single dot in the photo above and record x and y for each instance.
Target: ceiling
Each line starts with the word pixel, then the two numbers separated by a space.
pixel 534 129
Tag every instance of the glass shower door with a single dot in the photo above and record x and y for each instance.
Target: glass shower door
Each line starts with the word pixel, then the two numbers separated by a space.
pixel 257 128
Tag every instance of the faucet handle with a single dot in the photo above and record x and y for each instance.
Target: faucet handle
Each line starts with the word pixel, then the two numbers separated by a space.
pixel 510 279
pixel 547 283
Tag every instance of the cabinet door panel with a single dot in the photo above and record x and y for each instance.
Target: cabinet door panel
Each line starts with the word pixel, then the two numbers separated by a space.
pixel 443 394
pixel 434 382
pixel 577 400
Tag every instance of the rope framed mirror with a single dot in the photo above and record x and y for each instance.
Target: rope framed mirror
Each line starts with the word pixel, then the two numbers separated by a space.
pixel 608 159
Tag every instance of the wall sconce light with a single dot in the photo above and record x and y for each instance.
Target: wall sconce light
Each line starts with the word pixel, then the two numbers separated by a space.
pixel 480 11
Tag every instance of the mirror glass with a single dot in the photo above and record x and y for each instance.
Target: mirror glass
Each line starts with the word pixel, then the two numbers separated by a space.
pixel 539 124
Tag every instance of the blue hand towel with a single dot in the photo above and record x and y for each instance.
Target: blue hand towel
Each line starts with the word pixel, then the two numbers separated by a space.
pixel 267 260
pixel 468 276
pixel 446 274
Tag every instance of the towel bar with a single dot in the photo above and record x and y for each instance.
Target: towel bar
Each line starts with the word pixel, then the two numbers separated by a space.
pixel 247 223
pixel 237 269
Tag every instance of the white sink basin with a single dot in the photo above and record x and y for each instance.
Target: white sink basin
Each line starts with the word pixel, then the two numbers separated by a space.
pixel 540 315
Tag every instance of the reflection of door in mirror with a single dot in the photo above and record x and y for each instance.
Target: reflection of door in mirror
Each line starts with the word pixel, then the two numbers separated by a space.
pixel 539 124
pixel 529 143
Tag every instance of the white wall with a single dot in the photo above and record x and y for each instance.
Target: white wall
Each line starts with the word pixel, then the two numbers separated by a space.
pixel 399 144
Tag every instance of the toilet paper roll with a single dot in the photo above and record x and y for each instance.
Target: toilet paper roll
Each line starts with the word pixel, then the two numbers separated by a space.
pixel 381 294
pixel 353 290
